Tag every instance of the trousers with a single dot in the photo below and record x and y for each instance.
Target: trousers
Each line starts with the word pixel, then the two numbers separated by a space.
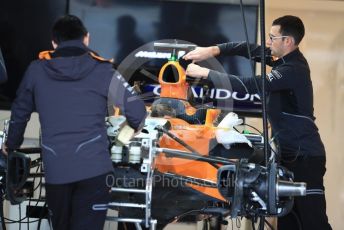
pixel 70 205
pixel 309 212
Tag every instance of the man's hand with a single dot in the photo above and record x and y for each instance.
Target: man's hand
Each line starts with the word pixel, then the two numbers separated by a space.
pixel 202 53
pixel 197 71
pixel 4 149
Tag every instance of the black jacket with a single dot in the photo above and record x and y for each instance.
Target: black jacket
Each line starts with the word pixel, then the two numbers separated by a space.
pixel 70 93
pixel 289 99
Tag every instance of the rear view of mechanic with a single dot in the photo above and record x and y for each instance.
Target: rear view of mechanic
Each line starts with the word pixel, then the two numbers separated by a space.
pixel 69 89
pixel 290 112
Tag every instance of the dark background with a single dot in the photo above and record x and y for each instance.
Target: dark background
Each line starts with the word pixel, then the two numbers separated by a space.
pixel 25 29
pixel 24 32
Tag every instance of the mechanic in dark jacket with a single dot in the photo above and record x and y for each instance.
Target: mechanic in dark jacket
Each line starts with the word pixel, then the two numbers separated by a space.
pixel 290 112
pixel 69 89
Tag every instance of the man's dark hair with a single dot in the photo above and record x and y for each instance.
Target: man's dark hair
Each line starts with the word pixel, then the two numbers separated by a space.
pixel 68 27
pixel 291 26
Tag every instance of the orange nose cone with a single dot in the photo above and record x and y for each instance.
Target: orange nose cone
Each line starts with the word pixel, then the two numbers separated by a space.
pixel 172 79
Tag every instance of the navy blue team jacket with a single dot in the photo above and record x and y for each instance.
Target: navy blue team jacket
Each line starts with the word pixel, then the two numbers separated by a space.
pixel 70 93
